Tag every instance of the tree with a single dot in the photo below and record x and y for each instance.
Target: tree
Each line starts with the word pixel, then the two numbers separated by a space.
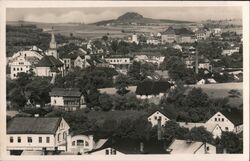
pixel 105 102
pixel 105 38
pixel 173 131
pixel 231 142
pixel 210 49
pixel 196 98
pixel 114 46
pixel 121 84
pixel 234 93
pixel 200 134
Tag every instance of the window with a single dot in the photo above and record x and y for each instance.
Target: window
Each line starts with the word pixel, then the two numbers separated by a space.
pixel 21 69
pixel 149 119
pixel 29 139
pixel 14 69
pixel 107 152
pixel 14 75
pixel 155 117
pixel 86 143
pixel 58 137
pixel 19 139
pixel 159 117
pixel 73 143
pixel 222 119
pixel 17 69
pixel 226 128
pixel 64 135
pixel 47 140
pixel 11 139
pixel 40 139
pixel 207 148
pixel 215 119
pixel 218 119
pixel 54 101
pixel 114 152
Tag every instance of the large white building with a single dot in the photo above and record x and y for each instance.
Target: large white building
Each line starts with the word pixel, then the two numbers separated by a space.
pixel 36 134
pixel 118 60
pixel 20 65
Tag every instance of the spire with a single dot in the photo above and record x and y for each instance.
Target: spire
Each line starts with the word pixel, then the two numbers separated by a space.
pixel 53 41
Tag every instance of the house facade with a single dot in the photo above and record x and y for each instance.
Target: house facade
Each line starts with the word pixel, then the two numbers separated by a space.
pixel 118 60
pixel 36 134
pixel 158 117
pixel 69 99
pixel 20 65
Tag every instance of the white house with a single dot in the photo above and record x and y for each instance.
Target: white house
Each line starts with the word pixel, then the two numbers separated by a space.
pixel 158 117
pixel 118 60
pixel 228 120
pixel 230 51
pixel 150 57
pixel 18 66
pixel 69 99
pixel 191 147
pixel 36 134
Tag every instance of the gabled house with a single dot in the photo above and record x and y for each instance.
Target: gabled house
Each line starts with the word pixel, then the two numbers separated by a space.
pixel 69 99
pixel 190 147
pixel 228 120
pixel 150 57
pixel 152 91
pixel 158 117
pixel 42 134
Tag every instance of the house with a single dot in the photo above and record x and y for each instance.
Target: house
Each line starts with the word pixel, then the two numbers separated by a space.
pixel 215 129
pixel 179 35
pixel 118 60
pixel 149 57
pixel 202 34
pixel 158 117
pixel 228 120
pixel 217 31
pixel 230 51
pixel 80 61
pixel 49 66
pixel 204 64
pixel 178 47
pixel 44 134
pixel 152 91
pixel 69 99
pixel 162 74
pixel 153 41
pixel 128 146
pixel 19 65
pixel 191 147
pixel 69 60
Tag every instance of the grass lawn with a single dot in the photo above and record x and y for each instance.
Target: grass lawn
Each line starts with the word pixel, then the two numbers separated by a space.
pixel 221 90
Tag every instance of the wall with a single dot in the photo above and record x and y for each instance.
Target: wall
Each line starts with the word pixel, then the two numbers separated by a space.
pixel 211 150
pixel 155 116
pixel 103 152
pixel 56 101
pixel 118 60
pixel 43 71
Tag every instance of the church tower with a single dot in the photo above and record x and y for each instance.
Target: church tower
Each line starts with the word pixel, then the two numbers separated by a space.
pixel 52 46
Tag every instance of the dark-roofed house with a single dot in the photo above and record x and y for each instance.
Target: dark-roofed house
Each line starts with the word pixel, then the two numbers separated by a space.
pixel 69 99
pixel 36 134
pixel 152 91
pixel 128 146
pixel 228 120
pixel 179 35
pixel 49 66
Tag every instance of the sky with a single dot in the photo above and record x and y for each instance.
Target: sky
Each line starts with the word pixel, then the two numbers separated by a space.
pixel 90 15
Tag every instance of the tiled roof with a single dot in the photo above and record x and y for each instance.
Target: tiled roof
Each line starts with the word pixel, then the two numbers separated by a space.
pixel 234 115
pixel 68 92
pixel 152 88
pixel 49 61
pixel 33 125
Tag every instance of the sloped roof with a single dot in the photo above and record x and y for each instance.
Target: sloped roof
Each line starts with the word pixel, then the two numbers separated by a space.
pixel 68 92
pixel 49 61
pixel 165 113
pixel 152 87
pixel 33 125
pixel 129 146
pixel 234 115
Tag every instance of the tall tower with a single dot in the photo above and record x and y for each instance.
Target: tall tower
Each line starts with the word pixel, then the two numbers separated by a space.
pixel 52 46
pixel 196 58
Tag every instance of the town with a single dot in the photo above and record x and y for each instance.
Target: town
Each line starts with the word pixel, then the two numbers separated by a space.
pixel 143 86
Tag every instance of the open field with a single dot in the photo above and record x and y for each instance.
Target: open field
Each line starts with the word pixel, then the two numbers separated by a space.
pixel 221 90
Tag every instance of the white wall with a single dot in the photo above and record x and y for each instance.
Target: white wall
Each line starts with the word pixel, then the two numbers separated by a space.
pixel 43 71
pixel 18 66
pixel 222 121
pixel 115 61
pixel 153 119
pixel 61 133
pixel 206 149
pixel 81 148
pixel 103 152
pixel 56 101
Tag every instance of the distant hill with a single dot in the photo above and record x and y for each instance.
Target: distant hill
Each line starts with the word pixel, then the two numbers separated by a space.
pixel 135 18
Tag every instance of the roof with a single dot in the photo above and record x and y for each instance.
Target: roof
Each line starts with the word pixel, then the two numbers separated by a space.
pixel 34 125
pixel 68 92
pixel 179 31
pixel 165 113
pixel 129 146
pixel 148 53
pixel 49 61
pixel 152 87
pixel 184 147
pixel 70 56
pixel 234 115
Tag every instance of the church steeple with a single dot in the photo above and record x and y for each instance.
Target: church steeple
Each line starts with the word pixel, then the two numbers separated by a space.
pixel 52 46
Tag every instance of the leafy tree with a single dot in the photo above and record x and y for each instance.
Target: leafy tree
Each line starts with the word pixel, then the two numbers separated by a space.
pixel 114 46
pixel 196 98
pixel 121 84
pixel 173 130
pixel 234 93
pixel 231 142
pixel 105 102
pixel 17 98
pixel 210 49
pixel 200 134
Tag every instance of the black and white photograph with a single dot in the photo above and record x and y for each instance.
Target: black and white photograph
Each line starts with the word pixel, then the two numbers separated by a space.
pixel 125 80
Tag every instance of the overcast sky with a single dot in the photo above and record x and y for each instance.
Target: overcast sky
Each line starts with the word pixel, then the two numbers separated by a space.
pixel 89 15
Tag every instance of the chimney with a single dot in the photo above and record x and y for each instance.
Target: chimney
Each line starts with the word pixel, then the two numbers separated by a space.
pixel 196 59
pixel 159 129
pixel 141 147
